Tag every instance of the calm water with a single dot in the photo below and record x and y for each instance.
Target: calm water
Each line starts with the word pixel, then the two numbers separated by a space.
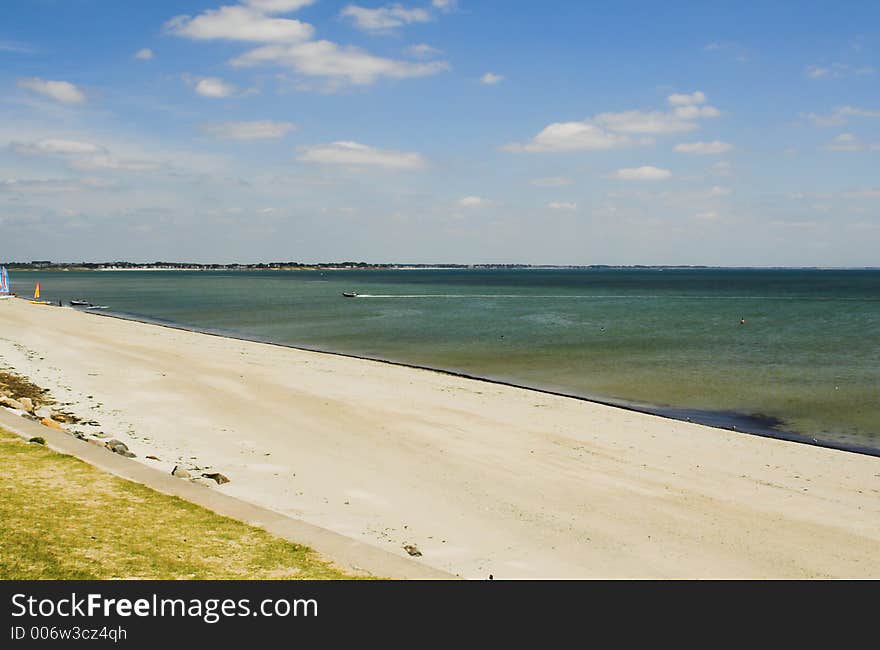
pixel 808 355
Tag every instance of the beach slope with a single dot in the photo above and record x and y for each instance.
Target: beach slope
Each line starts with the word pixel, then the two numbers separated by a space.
pixel 481 478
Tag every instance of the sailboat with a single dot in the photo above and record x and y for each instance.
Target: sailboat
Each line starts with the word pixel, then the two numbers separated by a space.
pixel 4 283
pixel 36 300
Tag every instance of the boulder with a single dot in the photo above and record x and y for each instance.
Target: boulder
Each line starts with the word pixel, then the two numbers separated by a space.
pixel 118 447
pixel 179 472
pixel 27 403
pixel 215 476
pixel 52 424
pixel 8 402
pixel 412 549
pixel 38 439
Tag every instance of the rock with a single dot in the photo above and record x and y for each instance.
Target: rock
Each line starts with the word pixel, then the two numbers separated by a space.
pixel 38 439
pixel 8 402
pixel 179 472
pixel 27 403
pixel 217 477
pixel 52 424
pixel 151 457
pixel 120 448
pixel 412 549
pixel 43 412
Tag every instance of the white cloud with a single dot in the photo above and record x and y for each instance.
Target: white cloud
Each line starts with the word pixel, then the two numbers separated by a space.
pixel 839 115
pixel 491 78
pixel 354 154
pixel 474 202
pixel 850 142
pixel 644 173
pixel 559 205
pixel 144 54
pixel 836 70
pixel 340 64
pixel 211 86
pixel 647 122
pixel 260 130
pixel 613 130
pixel 572 136
pixel 384 18
pixel 39 186
pixel 62 147
pixel 423 51
pixel 277 6
pixel 61 91
pixel 108 162
pixel 704 148
pixel 722 168
pixel 717 191
pixel 238 23
pixel 444 5
pixel 697 97
pixel 871 193
pixel 551 181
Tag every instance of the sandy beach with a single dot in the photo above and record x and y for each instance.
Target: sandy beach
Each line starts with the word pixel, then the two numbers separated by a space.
pixel 482 478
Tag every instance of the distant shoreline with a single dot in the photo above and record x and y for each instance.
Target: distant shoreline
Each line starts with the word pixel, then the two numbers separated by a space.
pixel 362 266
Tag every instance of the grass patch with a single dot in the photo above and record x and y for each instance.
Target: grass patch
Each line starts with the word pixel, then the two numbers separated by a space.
pixel 61 518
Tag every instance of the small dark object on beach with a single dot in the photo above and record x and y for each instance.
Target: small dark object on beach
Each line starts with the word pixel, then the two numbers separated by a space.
pixel 151 457
pixel 412 549
pixel 216 476
pixel 38 439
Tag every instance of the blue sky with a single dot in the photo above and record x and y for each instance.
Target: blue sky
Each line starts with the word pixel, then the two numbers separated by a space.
pixel 559 132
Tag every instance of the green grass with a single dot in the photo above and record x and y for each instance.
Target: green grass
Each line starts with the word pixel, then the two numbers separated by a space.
pixel 61 518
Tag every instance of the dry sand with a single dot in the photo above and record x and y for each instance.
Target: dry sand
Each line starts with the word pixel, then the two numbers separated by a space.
pixel 483 478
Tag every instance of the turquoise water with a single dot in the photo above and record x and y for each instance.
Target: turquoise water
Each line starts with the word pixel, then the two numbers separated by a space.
pixel 807 356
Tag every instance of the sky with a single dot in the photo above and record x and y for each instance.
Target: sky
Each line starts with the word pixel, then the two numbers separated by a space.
pixel 461 131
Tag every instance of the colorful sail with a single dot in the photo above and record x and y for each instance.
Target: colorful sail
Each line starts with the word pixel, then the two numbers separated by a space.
pixel 37 292
pixel 4 281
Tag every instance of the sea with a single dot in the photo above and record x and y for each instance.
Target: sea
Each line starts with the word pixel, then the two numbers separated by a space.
pixel 787 353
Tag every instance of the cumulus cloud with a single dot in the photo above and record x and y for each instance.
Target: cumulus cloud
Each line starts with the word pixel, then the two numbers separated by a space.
pixel 572 136
pixel 61 147
pixel 277 6
pixel 614 130
pixel 678 99
pixel 240 23
pixel 144 54
pixel 213 87
pixel 109 162
pixel 473 202
pixel 840 115
pixel 644 173
pixel 384 18
pixel 561 205
pixel 84 155
pixel 341 64
pixel 491 79
pixel 850 142
pixel 260 130
pixel 551 181
pixel 354 154
pixel 423 51
pixel 712 148
pixel 61 91
pixel 836 70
